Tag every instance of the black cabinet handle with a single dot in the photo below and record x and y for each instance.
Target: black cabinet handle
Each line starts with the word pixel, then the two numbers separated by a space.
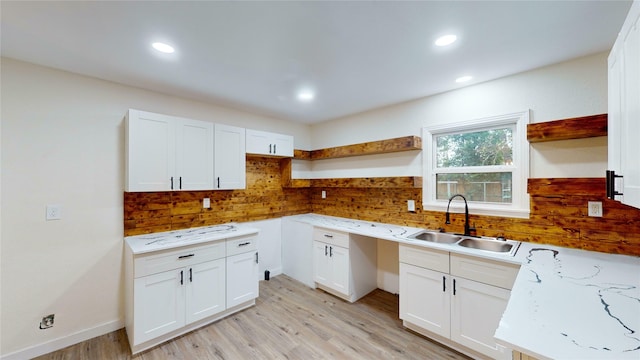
pixel 330 251
pixel 218 182
pixel 190 274
pixel 244 244
pixel 269 148
pixel 611 184
pixel 181 277
pixel 325 250
pixel 180 182
pixel 257 258
pixel 328 236
pixel 444 283
pixel 172 183
pixel 186 256
pixel 274 148
pixel 454 286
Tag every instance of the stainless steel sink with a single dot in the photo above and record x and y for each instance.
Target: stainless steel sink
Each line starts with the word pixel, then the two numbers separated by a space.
pixel 488 245
pixel 436 237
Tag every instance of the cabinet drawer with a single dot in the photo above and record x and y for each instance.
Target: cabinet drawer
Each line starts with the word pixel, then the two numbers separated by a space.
pixel 175 258
pixel 437 260
pixel 483 270
pixel 332 237
pixel 242 244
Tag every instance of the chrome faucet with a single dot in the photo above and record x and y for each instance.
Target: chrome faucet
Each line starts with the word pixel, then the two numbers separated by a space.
pixel 467 229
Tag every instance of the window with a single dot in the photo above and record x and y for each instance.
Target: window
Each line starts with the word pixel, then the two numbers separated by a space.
pixel 485 160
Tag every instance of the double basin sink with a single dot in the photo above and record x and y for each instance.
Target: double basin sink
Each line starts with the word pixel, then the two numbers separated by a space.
pixel 471 242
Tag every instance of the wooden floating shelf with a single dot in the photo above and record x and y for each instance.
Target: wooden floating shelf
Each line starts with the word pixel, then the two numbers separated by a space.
pixel 376 182
pixel 573 128
pixel 562 187
pixel 406 143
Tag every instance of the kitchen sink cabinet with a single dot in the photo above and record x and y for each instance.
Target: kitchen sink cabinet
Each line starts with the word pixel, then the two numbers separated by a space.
pixel 167 153
pixel 269 144
pixel 624 111
pixel 456 297
pixel 344 264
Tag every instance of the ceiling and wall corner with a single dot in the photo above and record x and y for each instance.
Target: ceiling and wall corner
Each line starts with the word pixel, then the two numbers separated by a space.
pixel 354 55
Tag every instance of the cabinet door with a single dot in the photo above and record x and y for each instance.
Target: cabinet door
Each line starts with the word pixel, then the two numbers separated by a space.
pixel 206 290
pixel 158 305
pixel 340 269
pixel 259 142
pixel 230 159
pixel 283 145
pixel 297 251
pixel 630 126
pixel 424 298
pixel 321 263
pixel 150 147
pixel 194 155
pixel 242 278
pixel 476 310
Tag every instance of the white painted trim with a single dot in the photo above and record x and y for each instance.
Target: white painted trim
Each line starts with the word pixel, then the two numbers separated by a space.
pixel 519 208
pixel 64 341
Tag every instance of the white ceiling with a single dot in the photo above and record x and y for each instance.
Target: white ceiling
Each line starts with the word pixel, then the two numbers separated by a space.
pixel 255 56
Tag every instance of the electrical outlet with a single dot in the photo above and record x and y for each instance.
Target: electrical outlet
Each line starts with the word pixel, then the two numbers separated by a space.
pixel 324 194
pixel 595 208
pixel 47 322
pixel 206 203
pixel 54 212
pixel 411 205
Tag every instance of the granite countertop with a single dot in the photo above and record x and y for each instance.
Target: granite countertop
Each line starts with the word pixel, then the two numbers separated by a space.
pixel 565 303
pixel 141 244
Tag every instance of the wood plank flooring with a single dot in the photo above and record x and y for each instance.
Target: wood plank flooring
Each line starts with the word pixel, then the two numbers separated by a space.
pixel 289 321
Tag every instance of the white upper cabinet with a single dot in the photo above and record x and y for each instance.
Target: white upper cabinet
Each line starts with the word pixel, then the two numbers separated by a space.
pixel 624 112
pixel 167 153
pixel 230 161
pixel 269 144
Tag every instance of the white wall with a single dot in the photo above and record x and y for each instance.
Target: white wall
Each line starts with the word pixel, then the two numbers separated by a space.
pixel 63 143
pixel 570 89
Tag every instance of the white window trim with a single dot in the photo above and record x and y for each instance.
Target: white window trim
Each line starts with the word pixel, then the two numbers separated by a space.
pixel 519 207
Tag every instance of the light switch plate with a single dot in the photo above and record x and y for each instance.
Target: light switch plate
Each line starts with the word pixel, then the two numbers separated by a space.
pixel 411 205
pixel 54 212
pixel 206 203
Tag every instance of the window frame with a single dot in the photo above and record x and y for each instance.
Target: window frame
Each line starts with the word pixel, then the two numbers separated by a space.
pixel 519 206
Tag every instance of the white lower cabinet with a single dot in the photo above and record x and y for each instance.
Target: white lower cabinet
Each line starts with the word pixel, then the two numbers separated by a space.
pixel 205 290
pixel 332 266
pixel 463 310
pixel 242 278
pixel 170 292
pixel 344 264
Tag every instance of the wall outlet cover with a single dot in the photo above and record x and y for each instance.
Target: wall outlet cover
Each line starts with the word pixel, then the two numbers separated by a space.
pixel 595 208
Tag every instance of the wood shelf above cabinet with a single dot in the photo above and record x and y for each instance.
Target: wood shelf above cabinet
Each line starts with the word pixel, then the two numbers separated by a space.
pixel 573 128
pixel 406 143
pixel 372 182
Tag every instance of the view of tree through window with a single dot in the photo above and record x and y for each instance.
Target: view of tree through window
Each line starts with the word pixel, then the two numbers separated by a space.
pixel 483 155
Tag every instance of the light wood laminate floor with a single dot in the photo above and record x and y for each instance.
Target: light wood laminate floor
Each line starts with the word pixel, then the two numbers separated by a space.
pixel 289 321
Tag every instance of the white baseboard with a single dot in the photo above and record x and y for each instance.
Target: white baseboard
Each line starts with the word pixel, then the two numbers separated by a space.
pixel 64 341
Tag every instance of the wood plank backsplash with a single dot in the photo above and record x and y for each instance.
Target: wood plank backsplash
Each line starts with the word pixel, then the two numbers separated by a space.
pixel 558 214
pixel 558 210
pixel 263 198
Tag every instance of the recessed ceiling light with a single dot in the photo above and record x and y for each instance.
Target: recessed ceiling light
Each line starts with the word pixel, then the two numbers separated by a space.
pixel 306 96
pixel 446 40
pixel 162 47
pixel 463 79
